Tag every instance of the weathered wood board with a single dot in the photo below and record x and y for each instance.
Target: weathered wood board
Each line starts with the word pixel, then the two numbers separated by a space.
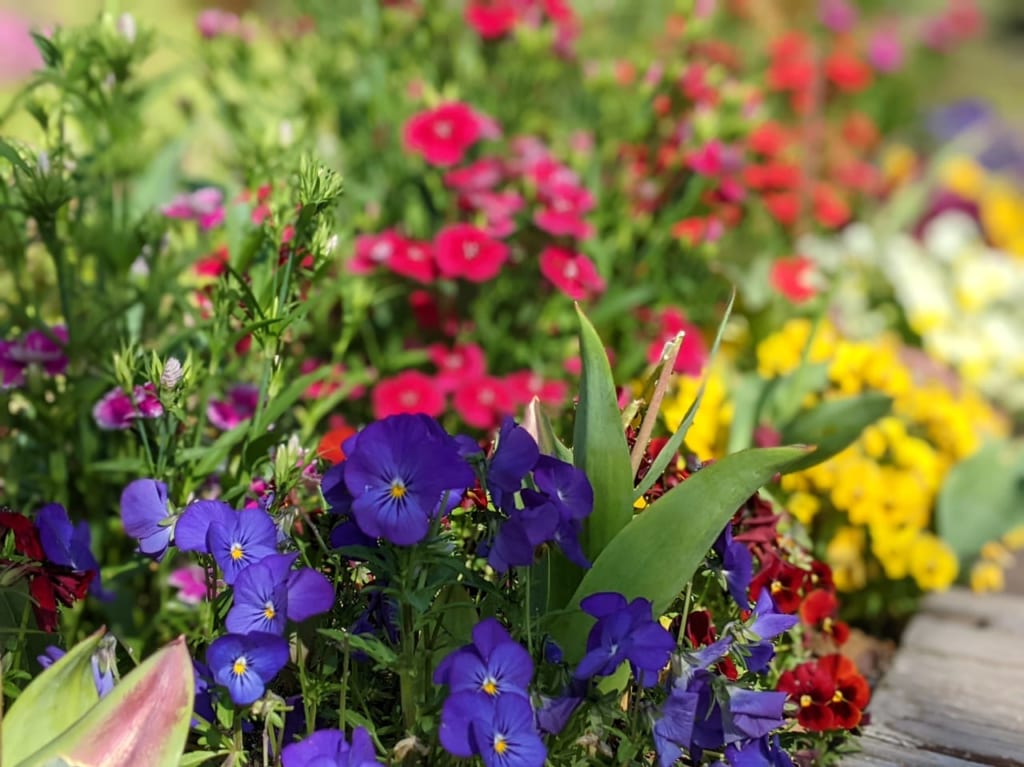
pixel 954 696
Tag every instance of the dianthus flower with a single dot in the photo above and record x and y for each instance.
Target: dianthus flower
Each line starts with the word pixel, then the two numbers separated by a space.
pixel 36 347
pixel 442 136
pixel 572 273
pixel 482 401
pixel 463 250
pixel 398 471
pixel 239 405
pixel 117 410
pixel 204 206
pixel 407 393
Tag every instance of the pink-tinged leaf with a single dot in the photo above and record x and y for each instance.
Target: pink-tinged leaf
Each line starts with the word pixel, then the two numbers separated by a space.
pixel 144 720
pixel 51 703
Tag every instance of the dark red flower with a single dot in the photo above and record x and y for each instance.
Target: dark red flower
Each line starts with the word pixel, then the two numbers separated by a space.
pixel 812 688
pixel 26 536
pixel 820 609
pixel 463 250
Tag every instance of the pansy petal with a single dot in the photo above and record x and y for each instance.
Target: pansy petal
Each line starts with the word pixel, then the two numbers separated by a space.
pixel 143 507
pixel 309 594
pixel 191 529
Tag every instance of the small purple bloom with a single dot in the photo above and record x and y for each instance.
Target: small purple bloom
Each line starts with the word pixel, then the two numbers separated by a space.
pixel 42 348
pixel 945 123
pixel 555 713
pixel 763 752
pixel 332 486
pixel 69 545
pixel 240 406
pixel 514 457
pixel 766 624
pixel 146 517
pixel 203 705
pixel 526 528
pixel 503 732
pixel 235 539
pixel 494 664
pixel 398 471
pixel 328 748
pixel 736 565
pixel 117 410
pixel 752 714
pixel 624 632
pixel 673 732
pixel 245 664
pixel 103 678
pixel 269 591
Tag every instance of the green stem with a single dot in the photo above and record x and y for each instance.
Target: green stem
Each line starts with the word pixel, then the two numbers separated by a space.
pixel 343 693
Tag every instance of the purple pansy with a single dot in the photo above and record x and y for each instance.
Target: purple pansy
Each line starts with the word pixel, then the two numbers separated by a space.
pixel 763 752
pixel 146 517
pixel 736 565
pixel 245 664
pixel 752 714
pixel 69 545
pixel 514 457
pixel 766 624
pixel 494 664
pixel 525 529
pixel 268 592
pixel 398 471
pixel 502 733
pixel 624 632
pixel 328 748
pixel 236 539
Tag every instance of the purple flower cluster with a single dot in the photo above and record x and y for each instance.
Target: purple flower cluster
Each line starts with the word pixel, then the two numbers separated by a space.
pixel 267 592
pixel 41 348
pixel 328 748
pixel 488 712
pixel 552 510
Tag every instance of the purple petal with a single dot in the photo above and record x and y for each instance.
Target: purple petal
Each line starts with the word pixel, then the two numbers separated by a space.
pixel 55 533
pixel 309 594
pixel 602 604
pixel 193 525
pixel 457 716
pixel 144 507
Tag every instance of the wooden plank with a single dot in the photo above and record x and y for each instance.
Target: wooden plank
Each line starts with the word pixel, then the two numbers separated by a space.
pixel 1004 612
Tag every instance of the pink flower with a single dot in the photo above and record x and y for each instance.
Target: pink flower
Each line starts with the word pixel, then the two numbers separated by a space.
pixel 524 385
pixel 572 273
pixel 239 406
pixel 794 278
pixel 19 56
pixel 499 208
pixel 36 347
pixel 838 16
pixel 443 135
pixel 565 205
pixel 491 19
pixel 415 260
pixel 885 51
pixel 204 206
pixel 693 353
pixel 373 250
pixel 481 402
pixel 213 22
pixel 407 392
pixel 117 410
pixel 456 364
pixel 463 250
pixel 190 581
pixel 12 372
pixel 479 176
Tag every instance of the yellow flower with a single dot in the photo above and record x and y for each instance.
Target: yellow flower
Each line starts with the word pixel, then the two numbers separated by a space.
pixel 803 506
pixel 1014 539
pixel 963 176
pixel 987 576
pixel 782 352
pixel 709 431
pixel 932 563
pixel 996 552
pixel 1002 213
pixel 898 163
pixel 845 555
pixel 891 545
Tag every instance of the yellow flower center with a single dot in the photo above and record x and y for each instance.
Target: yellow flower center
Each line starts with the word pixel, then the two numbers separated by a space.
pixel 398 489
pixel 236 551
pixel 240 666
pixel 805 701
pixel 268 611
pixel 500 744
pixel 837 697
pixel 490 686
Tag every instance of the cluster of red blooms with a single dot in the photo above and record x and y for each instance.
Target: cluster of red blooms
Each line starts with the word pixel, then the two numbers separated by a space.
pixel 828 690
pixel 48 583
pixel 496 19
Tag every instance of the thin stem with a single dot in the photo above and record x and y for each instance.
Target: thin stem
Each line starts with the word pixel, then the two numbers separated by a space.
pixel 668 363
pixel 343 693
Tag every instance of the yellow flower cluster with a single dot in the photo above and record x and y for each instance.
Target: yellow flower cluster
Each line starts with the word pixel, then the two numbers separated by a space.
pixel 709 432
pixel 883 487
pixel 1000 202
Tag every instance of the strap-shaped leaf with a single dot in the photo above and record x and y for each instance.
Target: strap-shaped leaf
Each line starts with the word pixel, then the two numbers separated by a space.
pixel 599 444
pixel 658 552
pixel 143 720
pixel 51 703
pixel 834 425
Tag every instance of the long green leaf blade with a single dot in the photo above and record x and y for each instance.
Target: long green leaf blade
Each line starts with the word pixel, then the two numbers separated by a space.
pixel 599 444
pixel 834 425
pixel 656 555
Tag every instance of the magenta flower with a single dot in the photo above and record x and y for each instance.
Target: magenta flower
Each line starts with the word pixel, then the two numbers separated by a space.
pixel 480 176
pixel 44 349
pixel 146 517
pixel 240 405
pixel 572 273
pixel 442 136
pixel 838 16
pixel 245 664
pixel 482 401
pixel 374 250
pixel 190 582
pixel 204 206
pixel 117 410
pixel 463 250
pixel 19 56
pixel 213 22
pixel 269 592
pixel 328 748
pixel 885 51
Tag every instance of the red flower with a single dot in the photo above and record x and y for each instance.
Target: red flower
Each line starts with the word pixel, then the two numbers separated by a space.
pixel 415 260
pixel 329 448
pixel 692 354
pixel 443 135
pixel 820 609
pixel 784 580
pixel 407 392
pixel 830 209
pixel 700 631
pixel 784 207
pixel 26 537
pixel 481 402
pixel 457 364
pixel 373 250
pixel 830 692
pixel 847 72
pixel 572 273
pixel 565 205
pixel 768 139
pixel 793 278
pixel 524 385
pixel 479 176
pixel 491 18
pixel 463 250
pixel 792 66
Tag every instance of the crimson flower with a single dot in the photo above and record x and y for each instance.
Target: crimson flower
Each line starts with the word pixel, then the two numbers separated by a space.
pixel 482 401
pixel 572 273
pixel 456 364
pixel 463 250
pixel 829 691
pixel 442 136
pixel 793 277
pixel 491 19
pixel 408 392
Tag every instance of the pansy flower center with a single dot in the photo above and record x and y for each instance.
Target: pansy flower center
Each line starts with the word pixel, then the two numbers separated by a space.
pixel 240 666
pixel 805 701
pixel 237 552
pixel 268 611
pixel 397 490
pixel 500 744
pixel 490 686
pixel 837 697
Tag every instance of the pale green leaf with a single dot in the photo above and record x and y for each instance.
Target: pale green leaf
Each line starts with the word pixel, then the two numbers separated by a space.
pixel 833 425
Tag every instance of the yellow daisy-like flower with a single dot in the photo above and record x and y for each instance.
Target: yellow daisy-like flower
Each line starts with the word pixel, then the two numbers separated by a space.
pixel 987 576
pixel 933 564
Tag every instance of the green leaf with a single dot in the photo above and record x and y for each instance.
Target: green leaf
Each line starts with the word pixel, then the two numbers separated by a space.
pixel 658 552
pixel 195 758
pixel 11 154
pixel 284 399
pixel 51 703
pixel 747 394
pixel 982 498
pixel 783 398
pixel 143 720
pixel 537 423
pixel 208 458
pixel 599 444
pixel 834 425
pixel 159 180
pixel 366 643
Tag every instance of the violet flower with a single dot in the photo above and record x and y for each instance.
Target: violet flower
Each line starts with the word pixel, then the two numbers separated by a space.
pixel 235 539
pixel 624 632
pixel 69 545
pixel 328 748
pixel 103 678
pixel 269 591
pixel 736 565
pixel 502 734
pixel 494 664
pixel 514 457
pixel 245 664
pixel 146 517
